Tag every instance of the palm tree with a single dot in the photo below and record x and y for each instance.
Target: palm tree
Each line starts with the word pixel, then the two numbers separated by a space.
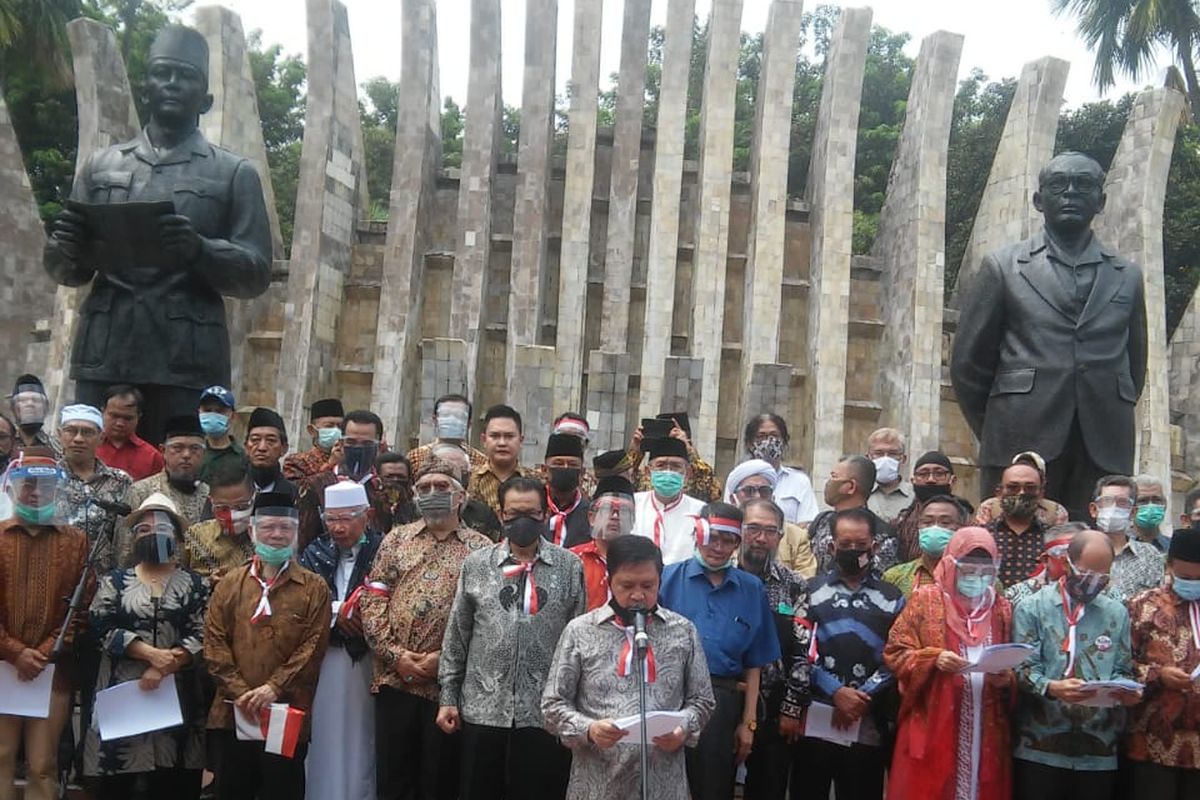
pixel 35 31
pixel 1125 33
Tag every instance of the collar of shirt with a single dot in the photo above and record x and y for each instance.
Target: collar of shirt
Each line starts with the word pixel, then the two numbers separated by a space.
pixel 903 488
pixel 1094 253
pixel 1135 548
pixel 869 581
pixel 194 144
pixel 100 471
pixel 733 576
pixel 134 441
pixel 423 530
pixel 486 469
pixel 545 553
pixel 605 613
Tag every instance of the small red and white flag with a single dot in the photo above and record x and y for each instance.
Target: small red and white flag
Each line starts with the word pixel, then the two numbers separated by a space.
pixel 278 726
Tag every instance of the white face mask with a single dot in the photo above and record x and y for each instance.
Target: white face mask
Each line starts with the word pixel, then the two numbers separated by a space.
pixel 887 469
pixel 1113 519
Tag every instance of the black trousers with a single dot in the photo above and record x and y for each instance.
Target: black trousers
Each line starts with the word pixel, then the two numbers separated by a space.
pixel 414 760
pixel 161 784
pixel 1039 782
pixel 1145 781
pixel 162 403
pixel 770 763
pixel 854 772
pixel 710 766
pixel 513 764
pixel 245 771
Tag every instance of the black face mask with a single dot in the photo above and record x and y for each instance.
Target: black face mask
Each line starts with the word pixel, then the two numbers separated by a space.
pixel 523 531
pixel 564 479
pixel 154 548
pixel 853 563
pixel 185 485
pixel 927 491
pixel 626 614
pixel 265 476
pixel 359 459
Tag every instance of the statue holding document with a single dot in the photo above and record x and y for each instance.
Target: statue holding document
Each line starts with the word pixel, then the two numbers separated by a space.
pixel 162 226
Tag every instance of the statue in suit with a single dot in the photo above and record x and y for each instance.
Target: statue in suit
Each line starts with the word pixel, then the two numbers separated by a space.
pixel 1050 354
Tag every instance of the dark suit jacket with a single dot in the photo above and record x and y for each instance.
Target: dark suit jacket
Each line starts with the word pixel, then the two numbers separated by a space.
pixel 1024 366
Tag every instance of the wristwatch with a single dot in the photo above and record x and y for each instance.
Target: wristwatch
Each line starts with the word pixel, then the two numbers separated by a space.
pixel 751 724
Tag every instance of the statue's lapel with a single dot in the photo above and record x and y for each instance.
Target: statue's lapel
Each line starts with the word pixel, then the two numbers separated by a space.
pixel 1110 277
pixel 1034 266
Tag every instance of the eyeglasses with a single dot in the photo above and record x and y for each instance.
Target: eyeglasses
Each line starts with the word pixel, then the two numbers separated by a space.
pixel 935 474
pixel 750 492
pixel 428 488
pixel 754 530
pixel 144 529
pixel 1152 500
pixel 1110 502
pixel 1059 184
pixel 277 526
pixel 894 452
pixel 342 518
pixel 74 431
pixel 243 506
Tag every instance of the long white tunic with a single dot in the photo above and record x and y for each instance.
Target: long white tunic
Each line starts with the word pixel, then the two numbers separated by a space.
pixel 672 526
pixel 341 756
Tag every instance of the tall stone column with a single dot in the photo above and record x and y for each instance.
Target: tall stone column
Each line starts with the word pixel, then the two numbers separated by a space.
pixel 577 202
pixel 910 246
pixel 608 367
pixel 1132 224
pixel 415 166
pixel 830 178
pixel 328 200
pixel 664 212
pixel 768 208
pixel 1184 374
pixel 234 123
pixel 533 182
pixel 107 116
pixel 480 151
pixel 1006 213
pixel 712 213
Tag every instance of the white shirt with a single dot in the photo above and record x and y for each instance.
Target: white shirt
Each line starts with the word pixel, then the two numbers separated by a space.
pixel 794 494
pixel 677 530
pixel 341 578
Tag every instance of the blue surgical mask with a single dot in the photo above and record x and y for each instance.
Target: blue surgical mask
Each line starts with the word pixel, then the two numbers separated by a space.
pixel 451 427
pixel 274 555
pixel 700 560
pixel 1187 588
pixel 214 423
pixel 667 483
pixel 933 540
pixel 973 585
pixel 327 438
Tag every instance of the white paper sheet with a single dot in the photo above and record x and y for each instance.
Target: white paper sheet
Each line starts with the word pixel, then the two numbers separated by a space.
pixel 657 724
pixel 1106 692
pixel 1000 657
pixel 818 724
pixel 1196 673
pixel 25 698
pixel 127 710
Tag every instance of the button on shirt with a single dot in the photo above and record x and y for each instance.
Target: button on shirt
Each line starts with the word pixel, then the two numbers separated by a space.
pixel 495 657
pixel 675 535
pixel 1057 734
pixel 733 618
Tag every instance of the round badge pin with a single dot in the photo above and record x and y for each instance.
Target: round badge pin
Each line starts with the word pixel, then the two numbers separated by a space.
pixel 1103 643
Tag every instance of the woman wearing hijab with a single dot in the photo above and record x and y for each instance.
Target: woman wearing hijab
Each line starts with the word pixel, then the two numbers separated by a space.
pixel 150 621
pixel 953 736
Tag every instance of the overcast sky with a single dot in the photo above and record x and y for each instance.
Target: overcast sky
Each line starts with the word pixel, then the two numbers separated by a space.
pixel 1000 36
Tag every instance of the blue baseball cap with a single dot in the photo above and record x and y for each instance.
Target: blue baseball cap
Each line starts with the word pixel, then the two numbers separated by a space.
pixel 220 394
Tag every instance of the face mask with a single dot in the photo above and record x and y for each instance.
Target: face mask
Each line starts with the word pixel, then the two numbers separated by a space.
pixel 1150 516
pixel 887 470
pixel 185 484
pixel 666 483
pixel 973 585
pixel 719 568
pixel 523 531
pixel 327 438
pixel 933 540
pixel 853 562
pixel 1019 506
pixel 359 459
pixel 214 424
pixel 274 555
pixel 233 522
pixel 435 505
pixel 1187 588
pixel 35 515
pixel 564 479
pixel 1085 588
pixel 1113 519
pixel 396 491
pixel 452 427
pixel 155 548
pixel 768 448
pixel 626 614
pixel 927 491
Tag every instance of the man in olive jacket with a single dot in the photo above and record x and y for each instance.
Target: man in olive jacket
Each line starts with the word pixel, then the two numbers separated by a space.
pixel 160 323
pixel 1050 354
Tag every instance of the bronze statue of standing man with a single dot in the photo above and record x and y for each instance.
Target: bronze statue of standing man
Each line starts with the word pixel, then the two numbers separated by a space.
pixel 1050 354
pixel 159 323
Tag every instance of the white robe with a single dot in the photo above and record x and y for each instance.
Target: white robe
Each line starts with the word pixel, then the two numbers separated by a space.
pixel 677 538
pixel 341 756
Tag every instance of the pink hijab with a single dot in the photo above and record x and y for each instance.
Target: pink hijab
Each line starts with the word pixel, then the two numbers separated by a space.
pixel 970 620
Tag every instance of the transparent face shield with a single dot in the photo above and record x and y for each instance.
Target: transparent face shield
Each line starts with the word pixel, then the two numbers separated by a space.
pixel 276 527
pixel 154 538
pixel 33 490
pixel 612 516
pixel 29 405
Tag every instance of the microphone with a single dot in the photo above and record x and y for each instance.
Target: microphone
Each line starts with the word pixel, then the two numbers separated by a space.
pixel 640 640
pixel 112 506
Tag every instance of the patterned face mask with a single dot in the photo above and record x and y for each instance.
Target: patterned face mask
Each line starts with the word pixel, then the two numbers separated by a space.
pixel 768 448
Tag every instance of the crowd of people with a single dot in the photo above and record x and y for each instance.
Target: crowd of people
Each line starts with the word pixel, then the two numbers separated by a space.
pixel 351 621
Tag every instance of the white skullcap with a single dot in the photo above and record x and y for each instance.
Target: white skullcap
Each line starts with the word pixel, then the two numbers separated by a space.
pixel 82 413
pixel 748 469
pixel 345 494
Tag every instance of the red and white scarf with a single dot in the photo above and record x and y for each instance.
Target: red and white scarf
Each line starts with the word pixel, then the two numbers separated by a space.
pixel 627 657
pixel 263 609
pixel 558 518
pixel 1194 618
pixel 529 601
pixel 1069 645
pixel 347 610
pixel 660 512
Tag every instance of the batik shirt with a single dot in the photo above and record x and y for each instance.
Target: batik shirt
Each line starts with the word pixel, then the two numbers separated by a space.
pixel 1019 552
pixel 496 654
pixel 820 539
pixel 106 483
pixel 787 596
pixel 1137 567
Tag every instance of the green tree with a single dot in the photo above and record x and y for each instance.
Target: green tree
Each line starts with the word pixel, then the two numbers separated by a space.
pixel 33 36
pixel 1125 35
pixel 279 87
pixel 452 134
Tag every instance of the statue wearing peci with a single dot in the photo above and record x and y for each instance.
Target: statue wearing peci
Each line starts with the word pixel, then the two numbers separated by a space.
pixel 162 226
pixel 1050 354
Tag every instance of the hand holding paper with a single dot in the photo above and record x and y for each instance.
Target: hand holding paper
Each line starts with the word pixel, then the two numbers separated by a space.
pixel 1000 657
pixel 22 698
pixel 658 723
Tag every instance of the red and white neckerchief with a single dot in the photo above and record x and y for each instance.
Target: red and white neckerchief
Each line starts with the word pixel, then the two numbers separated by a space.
pixel 350 606
pixel 660 523
pixel 1194 618
pixel 705 527
pixel 626 658
pixel 812 636
pixel 529 601
pixel 558 519
pixel 263 609
pixel 1073 617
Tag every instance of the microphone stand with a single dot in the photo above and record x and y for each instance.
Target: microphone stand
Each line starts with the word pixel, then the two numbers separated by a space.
pixel 640 649
pixel 77 596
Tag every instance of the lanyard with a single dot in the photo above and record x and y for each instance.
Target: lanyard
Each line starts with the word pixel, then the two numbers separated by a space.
pixel 1073 616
